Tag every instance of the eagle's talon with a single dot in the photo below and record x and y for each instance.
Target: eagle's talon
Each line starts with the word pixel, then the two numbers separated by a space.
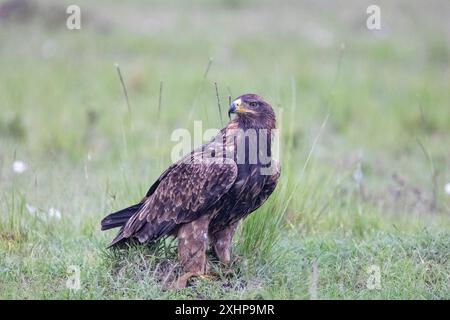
pixel 183 280
pixel 207 277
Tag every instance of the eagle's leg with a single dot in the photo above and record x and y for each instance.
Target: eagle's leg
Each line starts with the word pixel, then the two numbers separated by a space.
pixel 192 244
pixel 221 241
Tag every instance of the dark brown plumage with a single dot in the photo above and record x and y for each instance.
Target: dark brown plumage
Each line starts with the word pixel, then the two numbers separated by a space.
pixel 202 197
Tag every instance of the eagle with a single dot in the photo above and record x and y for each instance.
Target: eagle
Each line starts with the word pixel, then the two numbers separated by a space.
pixel 201 198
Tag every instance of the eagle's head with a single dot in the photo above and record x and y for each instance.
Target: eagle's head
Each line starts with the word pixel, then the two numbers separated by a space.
pixel 252 111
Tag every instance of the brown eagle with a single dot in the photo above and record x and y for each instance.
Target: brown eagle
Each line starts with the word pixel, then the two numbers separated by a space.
pixel 201 198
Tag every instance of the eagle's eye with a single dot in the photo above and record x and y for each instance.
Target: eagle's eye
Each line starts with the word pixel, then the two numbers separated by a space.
pixel 253 104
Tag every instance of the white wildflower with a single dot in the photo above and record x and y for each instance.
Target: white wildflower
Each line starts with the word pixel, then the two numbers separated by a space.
pixel 358 175
pixel 30 208
pixel 19 166
pixel 54 213
pixel 447 188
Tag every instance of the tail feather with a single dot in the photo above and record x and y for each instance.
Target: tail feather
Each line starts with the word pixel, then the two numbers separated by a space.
pixel 119 218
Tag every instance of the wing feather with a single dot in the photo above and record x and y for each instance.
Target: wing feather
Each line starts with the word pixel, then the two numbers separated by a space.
pixel 184 192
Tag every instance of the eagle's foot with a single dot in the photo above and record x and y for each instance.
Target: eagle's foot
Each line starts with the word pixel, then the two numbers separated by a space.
pixel 183 280
pixel 208 277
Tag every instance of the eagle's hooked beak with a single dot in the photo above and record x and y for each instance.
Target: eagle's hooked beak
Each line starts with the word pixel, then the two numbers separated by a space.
pixel 234 107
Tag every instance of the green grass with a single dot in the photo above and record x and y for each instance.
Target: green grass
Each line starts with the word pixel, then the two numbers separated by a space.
pixel 384 97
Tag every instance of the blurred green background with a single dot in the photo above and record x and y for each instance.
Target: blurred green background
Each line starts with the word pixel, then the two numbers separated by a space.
pixel 364 117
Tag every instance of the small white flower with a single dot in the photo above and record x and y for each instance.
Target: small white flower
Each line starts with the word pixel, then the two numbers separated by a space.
pixel 30 208
pixel 54 213
pixel 19 166
pixel 358 174
pixel 447 188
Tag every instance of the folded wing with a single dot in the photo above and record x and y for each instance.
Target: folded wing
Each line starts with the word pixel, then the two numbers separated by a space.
pixel 184 192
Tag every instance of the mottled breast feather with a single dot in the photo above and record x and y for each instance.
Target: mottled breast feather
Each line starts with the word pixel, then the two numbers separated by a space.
pixel 250 191
pixel 269 186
